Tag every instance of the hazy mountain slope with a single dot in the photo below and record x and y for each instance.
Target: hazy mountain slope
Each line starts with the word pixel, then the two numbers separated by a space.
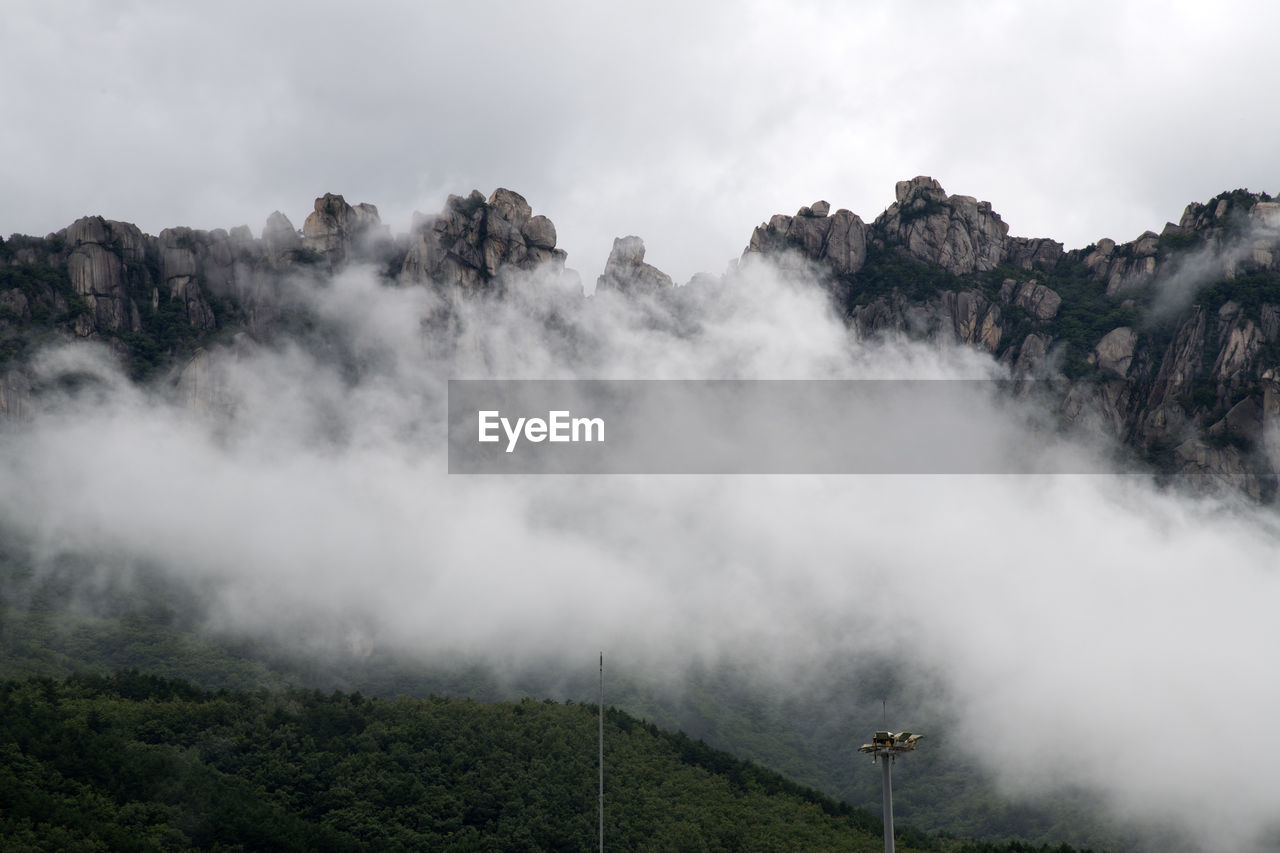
pixel 51 627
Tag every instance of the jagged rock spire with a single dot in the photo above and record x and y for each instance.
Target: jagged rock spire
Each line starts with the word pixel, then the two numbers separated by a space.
pixel 626 271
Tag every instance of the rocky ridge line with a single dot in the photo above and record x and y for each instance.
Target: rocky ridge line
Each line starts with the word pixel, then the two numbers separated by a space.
pixel 1197 388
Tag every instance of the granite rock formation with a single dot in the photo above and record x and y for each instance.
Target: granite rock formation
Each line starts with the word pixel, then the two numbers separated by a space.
pixel 1194 344
pixel 466 247
pixel 1170 340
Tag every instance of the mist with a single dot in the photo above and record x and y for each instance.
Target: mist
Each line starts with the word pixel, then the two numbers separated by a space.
pixel 1082 631
pixel 1190 272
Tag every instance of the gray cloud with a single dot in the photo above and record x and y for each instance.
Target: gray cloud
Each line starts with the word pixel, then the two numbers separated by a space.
pixel 1176 287
pixel 685 124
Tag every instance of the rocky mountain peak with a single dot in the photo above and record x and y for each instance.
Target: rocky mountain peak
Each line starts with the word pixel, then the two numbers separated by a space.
pixel 340 232
pixel 1172 339
pixel 957 233
pixel 838 240
pixel 918 192
pixel 467 245
pixel 626 271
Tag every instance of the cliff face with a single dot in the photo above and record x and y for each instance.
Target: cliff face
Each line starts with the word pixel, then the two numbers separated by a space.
pixel 1172 340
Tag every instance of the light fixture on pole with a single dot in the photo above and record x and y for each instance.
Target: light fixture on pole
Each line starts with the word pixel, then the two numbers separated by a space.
pixel 885 747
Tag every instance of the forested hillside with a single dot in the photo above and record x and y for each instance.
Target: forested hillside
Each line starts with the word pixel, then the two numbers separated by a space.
pixel 137 762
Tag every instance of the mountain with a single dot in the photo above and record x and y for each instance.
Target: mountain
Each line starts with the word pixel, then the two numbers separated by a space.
pixel 1170 342
pixel 1167 343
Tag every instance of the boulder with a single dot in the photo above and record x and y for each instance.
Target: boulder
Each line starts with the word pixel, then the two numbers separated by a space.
pixel 539 232
pixel 1114 353
pixel 509 206
pixel 1037 300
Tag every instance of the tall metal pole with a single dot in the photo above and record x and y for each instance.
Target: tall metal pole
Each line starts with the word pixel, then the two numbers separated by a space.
pixel 886 760
pixel 601 752
pixel 886 746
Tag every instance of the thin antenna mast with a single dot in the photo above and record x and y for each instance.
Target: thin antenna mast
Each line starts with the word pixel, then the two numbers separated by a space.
pixel 601 805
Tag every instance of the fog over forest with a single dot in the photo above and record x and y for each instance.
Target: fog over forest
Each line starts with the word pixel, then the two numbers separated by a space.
pixel 1080 630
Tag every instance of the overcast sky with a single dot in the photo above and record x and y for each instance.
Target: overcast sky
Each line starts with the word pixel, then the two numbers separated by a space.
pixel 687 123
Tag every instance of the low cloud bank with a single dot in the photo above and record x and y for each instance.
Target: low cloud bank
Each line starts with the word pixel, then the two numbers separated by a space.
pixel 1082 630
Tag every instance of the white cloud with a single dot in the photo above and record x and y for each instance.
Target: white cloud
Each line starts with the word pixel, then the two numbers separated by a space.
pixel 1112 636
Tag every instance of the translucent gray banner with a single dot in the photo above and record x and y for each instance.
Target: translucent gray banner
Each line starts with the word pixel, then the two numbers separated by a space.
pixel 755 427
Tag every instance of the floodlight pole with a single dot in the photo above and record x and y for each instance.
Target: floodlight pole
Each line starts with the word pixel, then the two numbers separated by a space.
pixel 885 762
pixel 885 747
